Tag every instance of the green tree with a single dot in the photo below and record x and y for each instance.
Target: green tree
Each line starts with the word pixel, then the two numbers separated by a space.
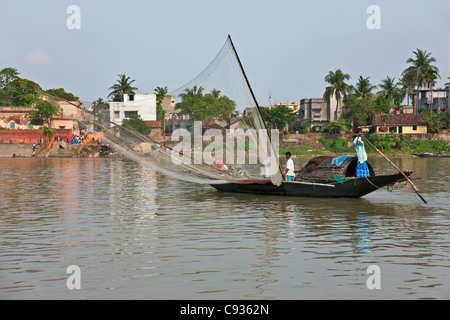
pixel 358 111
pixel 434 121
pixel 338 87
pixel 421 61
pixel 279 116
pixel 336 127
pixel 306 125
pixel 160 93
pixel 381 104
pixel 123 86
pixel 45 110
pixel 448 83
pixel 99 108
pixel 363 87
pixel 211 107
pixel 206 107
pixel 8 76
pixel 136 123
pixel 61 93
pixel 190 98
pixel 215 93
pixel 100 105
pixel 25 92
pixel 407 83
pixel 388 89
pixel 225 107
pixel 430 80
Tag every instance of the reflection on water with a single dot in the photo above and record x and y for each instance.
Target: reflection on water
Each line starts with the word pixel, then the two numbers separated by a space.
pixel 137 234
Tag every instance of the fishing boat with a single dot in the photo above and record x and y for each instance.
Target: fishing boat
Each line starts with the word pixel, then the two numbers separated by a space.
pixel 328 177
pixel 249 141
pixel 321 177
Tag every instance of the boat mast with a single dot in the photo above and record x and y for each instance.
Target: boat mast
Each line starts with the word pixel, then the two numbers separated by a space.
pixel 254 99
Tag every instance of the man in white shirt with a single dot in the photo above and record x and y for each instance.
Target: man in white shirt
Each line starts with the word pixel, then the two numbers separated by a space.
pixel 289 167
pixel 362 170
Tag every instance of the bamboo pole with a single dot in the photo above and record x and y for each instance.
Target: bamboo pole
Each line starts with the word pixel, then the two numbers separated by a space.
pixel 412 184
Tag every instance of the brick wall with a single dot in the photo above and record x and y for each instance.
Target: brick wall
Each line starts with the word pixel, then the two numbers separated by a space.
pixel 63 135
pixel 32 136
pixel 21 136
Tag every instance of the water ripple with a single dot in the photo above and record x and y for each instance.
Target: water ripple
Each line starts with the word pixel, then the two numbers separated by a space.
pixel 137 234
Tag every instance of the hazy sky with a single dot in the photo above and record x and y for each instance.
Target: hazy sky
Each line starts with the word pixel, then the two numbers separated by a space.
pixel 286 47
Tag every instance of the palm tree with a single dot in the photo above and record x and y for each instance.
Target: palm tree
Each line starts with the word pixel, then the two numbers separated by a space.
pixel 363 87
pixel 123 86
pixel 448 83
pixel 160 93
pixel 215 93
pixel 338 87
pixel 389 88
pixel 419 64
pixel 407 83
pixel 194 92
pixel 160 113
pixel 100 106
pixel 430 80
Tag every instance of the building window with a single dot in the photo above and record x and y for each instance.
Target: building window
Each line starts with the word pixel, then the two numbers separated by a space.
pixel 414 128
pixel 129 114
pixel 30 126
pixel 116 114
pixel 131 97
pixel 12 125
pixel 392 129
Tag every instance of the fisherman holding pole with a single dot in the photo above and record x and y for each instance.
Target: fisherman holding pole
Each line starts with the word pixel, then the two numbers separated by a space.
pixel 416 190
pixel 361 168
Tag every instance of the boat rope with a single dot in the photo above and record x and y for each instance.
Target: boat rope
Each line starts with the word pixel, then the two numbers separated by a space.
pixel 372 183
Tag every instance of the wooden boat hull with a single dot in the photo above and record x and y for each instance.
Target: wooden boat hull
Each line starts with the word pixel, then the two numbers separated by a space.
pixel 350 188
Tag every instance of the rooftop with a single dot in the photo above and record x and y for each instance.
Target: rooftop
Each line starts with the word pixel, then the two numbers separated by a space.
pixel 398 120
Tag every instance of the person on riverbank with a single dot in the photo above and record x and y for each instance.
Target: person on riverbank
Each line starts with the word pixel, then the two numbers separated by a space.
pixel 289 167
pixel 361 168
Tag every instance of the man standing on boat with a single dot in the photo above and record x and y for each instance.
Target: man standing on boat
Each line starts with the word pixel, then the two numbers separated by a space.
pixel 361 168
pixel 289 168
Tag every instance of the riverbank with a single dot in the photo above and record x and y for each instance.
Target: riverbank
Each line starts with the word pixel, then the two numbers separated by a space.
pixel 20 150
pixel 58 149
pixel 307 145
pixel 392 145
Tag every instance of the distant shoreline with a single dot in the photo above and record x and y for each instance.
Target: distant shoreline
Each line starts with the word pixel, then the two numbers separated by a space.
pixel 93 151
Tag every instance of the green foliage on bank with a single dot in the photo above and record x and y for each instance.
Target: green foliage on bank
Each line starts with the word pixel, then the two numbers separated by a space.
pixel 337 145
pixel 300 152
pixel 136 123
pixel 387 143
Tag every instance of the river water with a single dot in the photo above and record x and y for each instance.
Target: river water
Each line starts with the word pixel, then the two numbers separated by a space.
pixel 136 234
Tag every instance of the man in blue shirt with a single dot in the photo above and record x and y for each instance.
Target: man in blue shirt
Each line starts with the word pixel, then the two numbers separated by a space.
pixel 361 168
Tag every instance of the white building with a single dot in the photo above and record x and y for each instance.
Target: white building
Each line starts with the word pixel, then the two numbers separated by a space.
pixel 143 105
pixel 440 99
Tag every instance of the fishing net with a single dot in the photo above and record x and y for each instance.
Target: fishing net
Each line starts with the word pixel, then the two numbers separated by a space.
pixel 216 133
